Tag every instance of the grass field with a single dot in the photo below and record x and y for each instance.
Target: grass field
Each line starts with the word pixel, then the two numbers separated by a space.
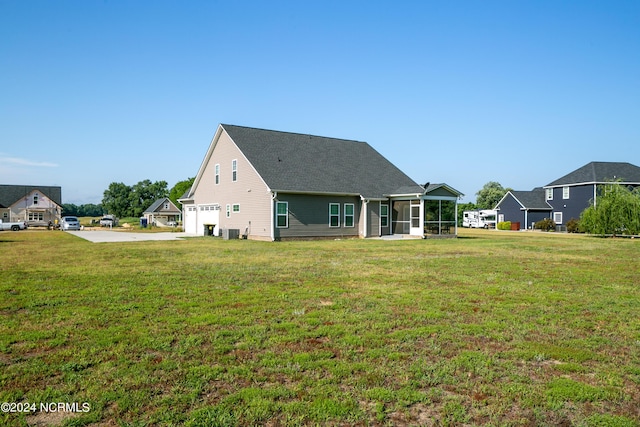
pixel 493 328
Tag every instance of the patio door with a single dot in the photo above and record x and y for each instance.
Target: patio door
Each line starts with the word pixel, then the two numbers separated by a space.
pixel 416 218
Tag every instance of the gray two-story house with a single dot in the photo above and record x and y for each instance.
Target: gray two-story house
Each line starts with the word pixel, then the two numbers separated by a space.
pixel 566 197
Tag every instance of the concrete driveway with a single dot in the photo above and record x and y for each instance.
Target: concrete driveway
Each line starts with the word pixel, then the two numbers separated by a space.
pixel 100 236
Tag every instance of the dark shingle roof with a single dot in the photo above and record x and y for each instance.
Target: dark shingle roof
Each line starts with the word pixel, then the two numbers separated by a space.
pixel 9 194
pixel 308 164
pixel 600 172
pixel 156 205
pixel 534 199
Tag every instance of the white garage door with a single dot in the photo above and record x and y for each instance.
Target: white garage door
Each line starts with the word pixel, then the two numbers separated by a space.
pixel 190 220
pixel 208 216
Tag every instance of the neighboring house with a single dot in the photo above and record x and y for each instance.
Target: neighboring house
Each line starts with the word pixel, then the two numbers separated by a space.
pixel 566 197
pixel 163 213
pixel 523 207
pixel 274 185
pixel 36 205
pixel 574 192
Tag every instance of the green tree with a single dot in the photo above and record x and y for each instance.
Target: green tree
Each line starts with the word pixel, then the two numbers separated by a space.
pixel 490 195
pixel 69 209
pixel 144 193
pixel 130 201
pixel 90 209
pixel 179 189
pixel 116 199
pixel 82 210
pixel 616 211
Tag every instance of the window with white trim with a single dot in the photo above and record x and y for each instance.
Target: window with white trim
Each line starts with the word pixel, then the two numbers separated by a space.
pixel 384 215
pixel 565 193
pixel 334 214
pixel 36 216
pixel 35 198
pixel 228 211
pixel 282 214
pixel 349 214
pixel 549 194
pixel 234 170
pixel 217 170
pixel 557 217
pixel 236 208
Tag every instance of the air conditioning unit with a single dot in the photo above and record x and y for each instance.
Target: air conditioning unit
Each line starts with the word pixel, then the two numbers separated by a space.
pixel 230 233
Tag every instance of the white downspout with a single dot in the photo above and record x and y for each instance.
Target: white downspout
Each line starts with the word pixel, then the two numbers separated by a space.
pixel 365 208
pixel 456 217
pixel 274 194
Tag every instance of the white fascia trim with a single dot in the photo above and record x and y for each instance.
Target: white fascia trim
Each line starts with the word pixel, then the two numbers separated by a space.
pixel 205 161
pixel 318 193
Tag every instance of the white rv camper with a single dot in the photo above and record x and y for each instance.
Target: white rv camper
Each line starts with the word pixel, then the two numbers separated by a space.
pixel 485 218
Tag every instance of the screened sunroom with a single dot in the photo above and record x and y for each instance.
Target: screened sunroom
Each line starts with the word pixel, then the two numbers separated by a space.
pixel 431 214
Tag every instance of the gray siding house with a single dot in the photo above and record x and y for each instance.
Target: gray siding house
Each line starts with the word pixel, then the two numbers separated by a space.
pixel 524 207
pixel 163 213
pixel 566 197
pixel 273 185
pixel 576 191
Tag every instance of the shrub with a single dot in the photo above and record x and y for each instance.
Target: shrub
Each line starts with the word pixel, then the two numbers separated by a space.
pixel 573 226
pixel 504 225
pixel 546 224
pixel 617 211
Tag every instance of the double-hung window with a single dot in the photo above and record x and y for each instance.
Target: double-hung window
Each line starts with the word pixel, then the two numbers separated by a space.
pixel 282 214
pixel 565 193
pixel 228 211
pixel 348 214
pixel 234 170
pixel 217 167
pixel 549 194
pixel 384 215
pixel 334 214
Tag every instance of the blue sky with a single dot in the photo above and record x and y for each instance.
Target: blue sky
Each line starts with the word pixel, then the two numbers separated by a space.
pixel 462 92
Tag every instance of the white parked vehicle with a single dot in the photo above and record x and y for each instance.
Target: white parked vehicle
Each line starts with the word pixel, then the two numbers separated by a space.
pixel 13 226
pixel 108 221
pixel 485 218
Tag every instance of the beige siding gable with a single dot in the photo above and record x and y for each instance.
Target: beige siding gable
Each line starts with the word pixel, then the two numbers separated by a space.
pixel 248 197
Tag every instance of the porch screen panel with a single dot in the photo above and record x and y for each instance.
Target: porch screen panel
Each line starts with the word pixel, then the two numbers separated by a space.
pixel 401 217
pixel 431 210
pixel 415 215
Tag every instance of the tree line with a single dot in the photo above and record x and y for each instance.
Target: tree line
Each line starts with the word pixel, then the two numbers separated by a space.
pixel 124 200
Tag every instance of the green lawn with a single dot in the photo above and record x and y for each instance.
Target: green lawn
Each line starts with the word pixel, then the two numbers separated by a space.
pixel 494 328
